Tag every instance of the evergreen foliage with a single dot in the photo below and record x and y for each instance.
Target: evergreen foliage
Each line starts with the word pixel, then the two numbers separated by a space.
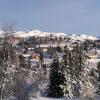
pixel 76 72
pixel 98 79
pixel 56 79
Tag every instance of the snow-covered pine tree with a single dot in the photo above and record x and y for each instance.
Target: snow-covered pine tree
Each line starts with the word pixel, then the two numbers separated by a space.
pixel 98 79
pixel 56 79
pixel 67 64
pixel 78 82
pixel 84 78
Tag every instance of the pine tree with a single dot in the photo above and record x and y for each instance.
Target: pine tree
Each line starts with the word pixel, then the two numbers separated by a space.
pixel 68 69
pixel 76 72
pixel 41 57
pixel 98 78
pixel 56 79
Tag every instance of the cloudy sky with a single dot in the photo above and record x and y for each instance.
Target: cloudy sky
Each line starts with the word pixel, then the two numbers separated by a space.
pixel 69 16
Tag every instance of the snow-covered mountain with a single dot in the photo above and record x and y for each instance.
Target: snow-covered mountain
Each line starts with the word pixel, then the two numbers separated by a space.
pixel 37 33
pixel 82 37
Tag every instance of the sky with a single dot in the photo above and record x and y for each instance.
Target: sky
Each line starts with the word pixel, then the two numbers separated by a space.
pixel 68 16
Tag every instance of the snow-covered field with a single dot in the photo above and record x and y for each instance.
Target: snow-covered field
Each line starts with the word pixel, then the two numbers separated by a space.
pixel 45 98
pixel 41 98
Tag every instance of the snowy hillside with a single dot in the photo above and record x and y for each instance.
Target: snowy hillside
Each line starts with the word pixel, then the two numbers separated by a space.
pixel 82 37
pixel 37 33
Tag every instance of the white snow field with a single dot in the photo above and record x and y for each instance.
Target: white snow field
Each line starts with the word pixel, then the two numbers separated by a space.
pixel 46 98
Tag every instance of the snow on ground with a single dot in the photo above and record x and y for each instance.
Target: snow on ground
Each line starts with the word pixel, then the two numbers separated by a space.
pixel 33 98
pixel 44 98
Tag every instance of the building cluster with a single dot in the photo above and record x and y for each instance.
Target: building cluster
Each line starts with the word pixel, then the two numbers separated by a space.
pixel 34 44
